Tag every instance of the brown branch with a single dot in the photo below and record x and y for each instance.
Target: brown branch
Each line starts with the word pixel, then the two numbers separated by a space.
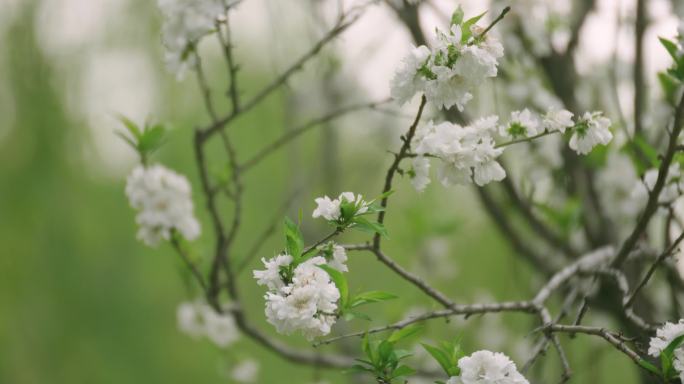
pixel 640 25
pixel 413 279
pixel 204 86
pixel 227 45
pixel 612 338
pixel 389 177
pixel 454 310
pixel 404 152
pixel 294 355
pixel 654 194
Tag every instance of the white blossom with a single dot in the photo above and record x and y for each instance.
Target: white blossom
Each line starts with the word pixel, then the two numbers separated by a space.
pixel 406 81
pixel 162 199
pixel 487 172
pixel 360 204
pixel 327 209
pixel 189 319
pixel 198 319
pixel 664 336
pixel 339 258
pixel 467 154
pixel 522 124
pixel 448 73
pixel 335 256
pixel 558 120
pixel 485 367
pixel 220 327
pixel 592 129
pixel 678 363
pixel 185 22
pixel 307 303
pixel 270 276
pixel 421 173
pixel 331 210
pixel 246 371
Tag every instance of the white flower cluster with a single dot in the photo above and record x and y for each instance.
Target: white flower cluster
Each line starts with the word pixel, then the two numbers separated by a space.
pixel 162 199
pixel 331 210
pixel 198 319
pixel 664 336
pixel 527 124
pixel 448 73
pixel 304 299
pixel 185 22
pixel 486 367
pixel 335 255
pixel 246 371
pixel 587 132
pixel 467 154
pixel 591 129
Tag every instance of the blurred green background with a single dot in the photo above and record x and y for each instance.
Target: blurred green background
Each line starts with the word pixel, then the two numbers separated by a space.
pixel 81 301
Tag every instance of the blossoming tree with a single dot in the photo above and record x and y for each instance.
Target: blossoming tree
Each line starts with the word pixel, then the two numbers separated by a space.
pixel 596 240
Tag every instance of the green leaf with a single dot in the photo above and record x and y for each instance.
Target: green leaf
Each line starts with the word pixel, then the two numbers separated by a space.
pixel 670 84
pixel 405 332
pixel 370 297
pixel 351 315
pixel 364 225
pixel 127 139
pixel 441 356
pixel 384 194
pixel 341 282
pixel 356 368
pixel 293 239
pixel 402 354
pixel 385 351
pixel 465 28
pixel 403 370
pixel 373 208
pixel 670 46
pixel 649 367
pixel 152 138
pixel 367 348
pixel 667 357
pixel 130 126
pixel 457 16
pixel 648 150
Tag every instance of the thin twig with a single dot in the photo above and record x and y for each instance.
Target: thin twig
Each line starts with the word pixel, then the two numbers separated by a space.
pixel 191 266
pixel 671 249
pixel 296 132
pixel 280 80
